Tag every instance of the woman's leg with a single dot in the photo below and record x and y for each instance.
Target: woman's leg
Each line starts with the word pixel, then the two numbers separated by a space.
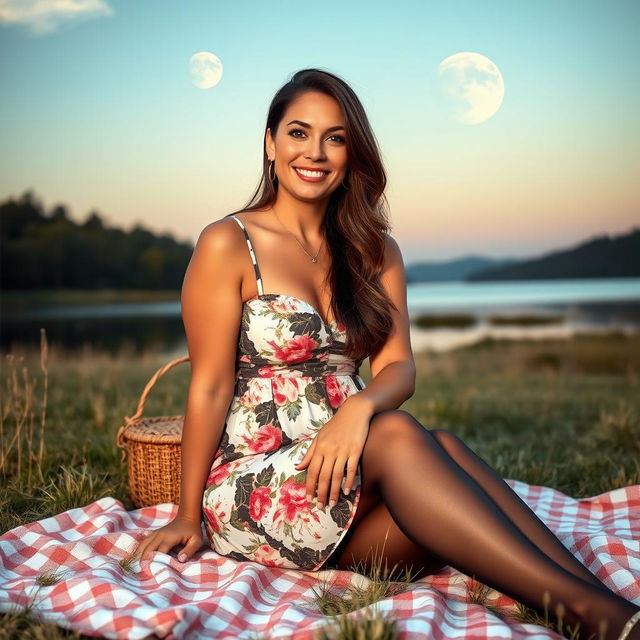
pixel 510 502
pixel 439 507
pixel 380 538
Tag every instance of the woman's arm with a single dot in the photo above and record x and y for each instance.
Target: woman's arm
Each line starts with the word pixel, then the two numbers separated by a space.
pixel 211 313
pixel 393 368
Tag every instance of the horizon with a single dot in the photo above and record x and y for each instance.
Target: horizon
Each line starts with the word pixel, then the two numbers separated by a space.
pixel 408 262
pixel 103 111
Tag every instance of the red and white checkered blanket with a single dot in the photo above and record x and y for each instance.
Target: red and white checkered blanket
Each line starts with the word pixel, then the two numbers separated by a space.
pixel 211 596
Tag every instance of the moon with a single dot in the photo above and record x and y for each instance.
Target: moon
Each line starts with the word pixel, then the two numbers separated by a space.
pixel 472 87
pixel 205 69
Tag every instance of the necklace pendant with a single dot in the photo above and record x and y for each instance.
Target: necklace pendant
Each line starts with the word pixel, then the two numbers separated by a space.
pixel 314 259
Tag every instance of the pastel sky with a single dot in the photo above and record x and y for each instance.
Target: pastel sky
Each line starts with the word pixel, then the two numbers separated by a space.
pixel 99 112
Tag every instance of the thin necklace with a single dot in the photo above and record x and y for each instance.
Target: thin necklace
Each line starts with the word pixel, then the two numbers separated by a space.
pixel 313 258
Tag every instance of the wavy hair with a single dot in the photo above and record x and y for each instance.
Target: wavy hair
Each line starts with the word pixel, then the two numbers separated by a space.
pixel 356 219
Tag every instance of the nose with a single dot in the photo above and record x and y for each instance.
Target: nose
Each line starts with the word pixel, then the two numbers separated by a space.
pixel 315 150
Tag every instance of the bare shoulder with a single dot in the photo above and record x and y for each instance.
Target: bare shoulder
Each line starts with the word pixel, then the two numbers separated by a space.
pixel 217 260
pixel 222 234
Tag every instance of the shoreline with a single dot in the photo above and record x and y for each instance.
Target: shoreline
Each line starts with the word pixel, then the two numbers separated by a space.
pixel 447 339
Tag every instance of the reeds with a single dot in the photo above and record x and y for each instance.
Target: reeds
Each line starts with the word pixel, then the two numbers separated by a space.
pixel 19 446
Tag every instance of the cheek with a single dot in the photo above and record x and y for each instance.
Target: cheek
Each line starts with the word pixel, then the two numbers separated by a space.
pixel 288 152
pixel 338 158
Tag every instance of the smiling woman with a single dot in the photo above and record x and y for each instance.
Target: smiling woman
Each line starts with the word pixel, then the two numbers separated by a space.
pixel 278 415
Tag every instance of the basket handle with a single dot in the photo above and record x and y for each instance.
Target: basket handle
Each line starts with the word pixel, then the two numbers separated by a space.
pixel 130 420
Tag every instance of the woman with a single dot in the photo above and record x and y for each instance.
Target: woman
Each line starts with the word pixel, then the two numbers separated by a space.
pixel 277 414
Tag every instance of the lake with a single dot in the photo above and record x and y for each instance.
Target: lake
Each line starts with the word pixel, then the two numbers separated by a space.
pixel 587 304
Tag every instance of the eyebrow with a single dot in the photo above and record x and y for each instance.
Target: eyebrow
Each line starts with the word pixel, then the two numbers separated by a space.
pixel 308 126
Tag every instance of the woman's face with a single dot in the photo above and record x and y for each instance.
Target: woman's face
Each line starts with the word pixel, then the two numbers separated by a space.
pixel 311 136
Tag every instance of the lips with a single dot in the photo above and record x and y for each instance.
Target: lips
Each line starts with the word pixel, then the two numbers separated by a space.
pixel 310 175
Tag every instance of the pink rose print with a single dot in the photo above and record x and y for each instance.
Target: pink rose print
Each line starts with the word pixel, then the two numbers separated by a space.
pixel 219 473
pixel 267 556
pixel 215 516
pixel 285 389
pixel 335 392
pixel 342 328
pixel 266 438
pixel 269 370
pixel 259 503
pixel 252 396
pixel 298 349
pixel 293 503
pixel 282 305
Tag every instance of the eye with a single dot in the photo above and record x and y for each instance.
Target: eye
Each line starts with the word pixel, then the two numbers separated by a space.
pixel 337 137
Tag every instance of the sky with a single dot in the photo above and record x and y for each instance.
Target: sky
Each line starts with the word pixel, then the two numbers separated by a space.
pixel 99 112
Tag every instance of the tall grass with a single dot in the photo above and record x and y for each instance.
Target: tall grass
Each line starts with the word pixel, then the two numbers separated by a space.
pixel 19 446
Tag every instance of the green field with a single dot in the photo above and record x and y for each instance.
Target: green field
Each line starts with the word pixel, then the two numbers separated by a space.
pixel 560 413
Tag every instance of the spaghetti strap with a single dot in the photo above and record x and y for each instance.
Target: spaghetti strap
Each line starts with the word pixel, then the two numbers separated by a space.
pixel 252 254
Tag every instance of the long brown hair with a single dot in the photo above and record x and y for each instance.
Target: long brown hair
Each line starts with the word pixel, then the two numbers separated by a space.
pixel 356 219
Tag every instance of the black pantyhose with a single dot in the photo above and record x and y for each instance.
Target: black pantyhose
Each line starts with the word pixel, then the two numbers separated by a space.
pixel 451 505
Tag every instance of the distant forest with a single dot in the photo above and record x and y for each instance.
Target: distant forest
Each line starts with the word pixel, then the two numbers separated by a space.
pixel 600 257
pixel 50 251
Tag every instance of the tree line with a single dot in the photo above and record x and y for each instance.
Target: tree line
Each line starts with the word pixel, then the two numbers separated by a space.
pixel 40 250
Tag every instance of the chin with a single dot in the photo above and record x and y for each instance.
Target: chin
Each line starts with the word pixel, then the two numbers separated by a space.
pixel 310 197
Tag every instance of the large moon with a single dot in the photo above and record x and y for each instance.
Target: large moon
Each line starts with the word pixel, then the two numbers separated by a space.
pixel 205 69
pixel 472 87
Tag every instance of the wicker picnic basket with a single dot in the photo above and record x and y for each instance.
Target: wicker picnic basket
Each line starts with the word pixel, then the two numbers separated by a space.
pixel 154 450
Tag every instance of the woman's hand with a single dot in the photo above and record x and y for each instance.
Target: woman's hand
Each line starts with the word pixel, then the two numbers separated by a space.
pixel 179 531
pixel 339 442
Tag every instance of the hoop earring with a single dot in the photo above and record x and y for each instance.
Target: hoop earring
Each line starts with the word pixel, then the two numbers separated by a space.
pixel 344 186
pixel 272 164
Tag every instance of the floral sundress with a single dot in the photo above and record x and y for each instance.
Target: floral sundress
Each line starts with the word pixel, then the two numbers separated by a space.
pixel 291 377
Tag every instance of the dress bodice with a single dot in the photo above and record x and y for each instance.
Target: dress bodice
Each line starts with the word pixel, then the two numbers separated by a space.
pixel 283 335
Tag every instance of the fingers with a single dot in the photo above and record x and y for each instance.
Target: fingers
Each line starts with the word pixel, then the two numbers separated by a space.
pixel 313 472
pixel 336 481
pixel 152 543
pixel 189 549
pixel 352 468
pixel 143 547
pixel 326 473
pixel 307 456
pixel 165 547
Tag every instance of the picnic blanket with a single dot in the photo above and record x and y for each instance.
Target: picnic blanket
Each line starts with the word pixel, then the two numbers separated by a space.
pixel 71 569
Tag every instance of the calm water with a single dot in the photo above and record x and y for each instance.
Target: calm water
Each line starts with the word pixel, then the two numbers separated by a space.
pixel 158 326
pixel 472 296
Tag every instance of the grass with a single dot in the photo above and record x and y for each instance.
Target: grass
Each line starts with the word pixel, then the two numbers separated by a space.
pixel 562 413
